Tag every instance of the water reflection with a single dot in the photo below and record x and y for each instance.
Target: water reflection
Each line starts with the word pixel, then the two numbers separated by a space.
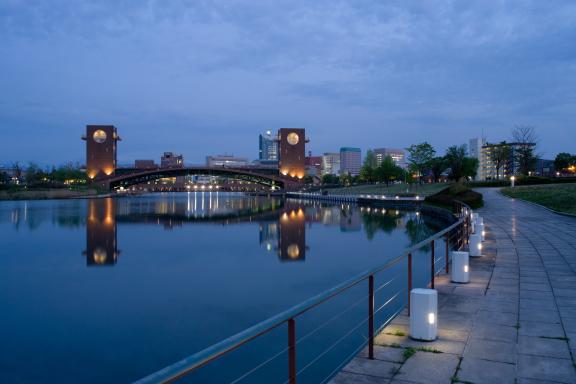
pixel 281 223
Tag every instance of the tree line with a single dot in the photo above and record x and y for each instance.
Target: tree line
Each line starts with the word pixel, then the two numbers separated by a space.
pixel 35 176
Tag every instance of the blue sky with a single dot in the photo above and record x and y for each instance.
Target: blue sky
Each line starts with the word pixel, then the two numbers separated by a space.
pixel 206 77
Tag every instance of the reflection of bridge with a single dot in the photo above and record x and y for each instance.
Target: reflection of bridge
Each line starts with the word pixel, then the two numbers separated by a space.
pixel 253 175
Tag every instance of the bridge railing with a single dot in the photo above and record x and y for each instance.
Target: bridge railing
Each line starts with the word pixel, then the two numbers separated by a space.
pixel 453 237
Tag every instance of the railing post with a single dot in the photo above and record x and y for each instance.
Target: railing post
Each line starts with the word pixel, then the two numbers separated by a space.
pixel 371 317
pixel 432 266
pixel 292 351
pixel 447 242
pixel 409 280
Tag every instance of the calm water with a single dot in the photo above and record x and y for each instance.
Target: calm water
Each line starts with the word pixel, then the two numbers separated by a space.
pixel 110 290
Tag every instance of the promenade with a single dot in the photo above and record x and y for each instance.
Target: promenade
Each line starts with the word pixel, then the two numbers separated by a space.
pixel 515 322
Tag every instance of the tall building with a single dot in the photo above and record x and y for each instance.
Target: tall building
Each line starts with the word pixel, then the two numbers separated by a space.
pixel 291 152
pixel 350 161
pixel 398 156
pixel 268 147
pixel 313 165
pixel 226 161
pixel 487 169
pixel 475 150
pixel 331 163
pixel 145 164
pixel 100 151
pixel 170 160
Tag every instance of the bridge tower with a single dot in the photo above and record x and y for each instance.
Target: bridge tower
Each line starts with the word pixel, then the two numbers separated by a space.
pixel 100 151
pixel 291 152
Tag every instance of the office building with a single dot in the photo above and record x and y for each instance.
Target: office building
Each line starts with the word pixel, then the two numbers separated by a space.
pixel 268 147
pixel 350 161
pixel 397 155
pixel 170 160
pixel 226 161
pixel 145 164
pixel 331 163
pixel 313 165
pixel 487 169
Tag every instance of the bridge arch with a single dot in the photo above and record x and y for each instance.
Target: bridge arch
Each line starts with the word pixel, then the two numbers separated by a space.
pixel 139 177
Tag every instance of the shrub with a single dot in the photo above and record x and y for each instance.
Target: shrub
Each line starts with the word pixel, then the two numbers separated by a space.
pixel 456 192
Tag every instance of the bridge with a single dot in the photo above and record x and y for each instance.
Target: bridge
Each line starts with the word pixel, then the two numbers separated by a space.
pixel 253 175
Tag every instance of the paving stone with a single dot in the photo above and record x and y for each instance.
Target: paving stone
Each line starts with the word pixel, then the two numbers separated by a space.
pixel 395 355
pixel 495 332
pixel 429 368
pixel 376 368
pixel 543 347
pixel 354 378
pixel 539 315
pixel 535 328
pixel 486 372
pixel 491 350
pixel 546 368
pixel 499 318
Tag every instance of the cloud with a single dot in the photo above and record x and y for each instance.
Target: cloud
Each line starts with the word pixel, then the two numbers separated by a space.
pixel 207 71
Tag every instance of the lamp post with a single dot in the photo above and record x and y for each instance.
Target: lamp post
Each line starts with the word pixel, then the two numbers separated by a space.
pixel 512 179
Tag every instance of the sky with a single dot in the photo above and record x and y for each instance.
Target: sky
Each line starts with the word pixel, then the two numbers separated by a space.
pixel 207 77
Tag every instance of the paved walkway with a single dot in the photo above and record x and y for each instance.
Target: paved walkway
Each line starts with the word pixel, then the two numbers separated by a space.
pixel 515 322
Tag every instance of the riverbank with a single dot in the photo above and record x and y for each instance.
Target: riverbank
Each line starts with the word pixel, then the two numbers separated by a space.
pixel 515 322
pixel 558 197
pixel 46 194
pixel 392 189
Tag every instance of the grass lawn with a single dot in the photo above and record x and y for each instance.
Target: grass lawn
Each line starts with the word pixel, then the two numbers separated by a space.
pixel 393 189
pixel 559 197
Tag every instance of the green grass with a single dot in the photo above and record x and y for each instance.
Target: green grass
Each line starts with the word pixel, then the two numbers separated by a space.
pixel 393 189
pixel 559 197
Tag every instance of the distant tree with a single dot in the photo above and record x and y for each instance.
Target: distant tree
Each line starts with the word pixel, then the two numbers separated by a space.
pixel 35 174
pixel 308 179
pixel 563 161
pixel 4 178
pixel 437 166
pixel 330 179
pixel 499 155
pixel 388 171
pixel 419 157
pixel 346 179
pixel 367 172
pixel 524 155
pixel 460 164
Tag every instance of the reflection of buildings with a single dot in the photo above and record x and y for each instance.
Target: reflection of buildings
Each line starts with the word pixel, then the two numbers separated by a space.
pixel 101 247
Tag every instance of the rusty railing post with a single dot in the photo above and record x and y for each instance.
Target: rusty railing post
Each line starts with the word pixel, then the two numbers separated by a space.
pixel 432 269
pixel 371 317
pixel 409 280
pixel 447 241
pixel 292 351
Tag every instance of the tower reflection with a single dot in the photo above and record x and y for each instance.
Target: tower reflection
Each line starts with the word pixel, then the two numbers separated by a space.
pixel 101 243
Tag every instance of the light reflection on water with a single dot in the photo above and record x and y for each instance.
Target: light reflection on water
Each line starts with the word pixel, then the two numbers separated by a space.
pixel 183 265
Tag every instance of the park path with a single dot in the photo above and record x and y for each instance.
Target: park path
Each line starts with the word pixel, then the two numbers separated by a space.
pixel 515 322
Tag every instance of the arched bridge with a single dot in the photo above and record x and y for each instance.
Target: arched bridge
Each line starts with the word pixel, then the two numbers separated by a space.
pixel 247 174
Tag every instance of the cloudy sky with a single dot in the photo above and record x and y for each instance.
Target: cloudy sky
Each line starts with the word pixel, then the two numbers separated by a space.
pixel 206 77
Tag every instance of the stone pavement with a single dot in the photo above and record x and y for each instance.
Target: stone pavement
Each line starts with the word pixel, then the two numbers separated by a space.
pixel 515 322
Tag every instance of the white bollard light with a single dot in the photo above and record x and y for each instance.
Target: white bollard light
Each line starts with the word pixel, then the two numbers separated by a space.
pixel 460 267
pixel 480 231
pixel 423 314
pixel 479 220
pixel 475 245
pixel 474 216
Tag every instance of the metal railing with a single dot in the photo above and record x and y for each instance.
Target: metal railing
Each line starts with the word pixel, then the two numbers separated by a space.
pixel 455 236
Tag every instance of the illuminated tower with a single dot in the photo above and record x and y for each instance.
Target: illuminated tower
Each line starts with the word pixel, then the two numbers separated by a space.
pixel 291 152
pixel 100 151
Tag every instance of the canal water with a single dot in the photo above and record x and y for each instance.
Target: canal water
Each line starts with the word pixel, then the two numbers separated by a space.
pixel 110 290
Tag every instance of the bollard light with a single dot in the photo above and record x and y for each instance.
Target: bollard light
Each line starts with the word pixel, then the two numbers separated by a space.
pixel 475 245
pixel 480 231
pixel 423 314
pixel 512 180
pixel 479 220
pixel 460 268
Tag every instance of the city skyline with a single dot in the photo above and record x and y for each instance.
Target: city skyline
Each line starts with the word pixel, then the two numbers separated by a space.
pixel 201 79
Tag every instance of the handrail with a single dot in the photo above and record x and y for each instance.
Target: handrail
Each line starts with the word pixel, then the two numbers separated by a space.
pixel 203 357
